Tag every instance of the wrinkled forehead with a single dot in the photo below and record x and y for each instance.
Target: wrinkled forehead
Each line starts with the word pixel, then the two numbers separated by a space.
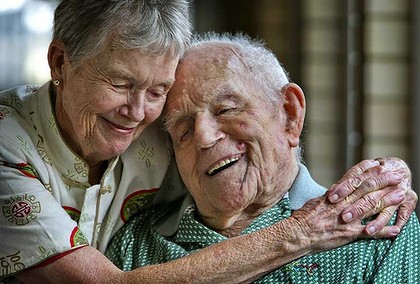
pixel 211 62
pixel 205 72
pixel 208 59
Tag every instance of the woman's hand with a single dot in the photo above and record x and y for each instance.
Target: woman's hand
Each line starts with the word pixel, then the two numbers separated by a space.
pixel 371 187
pixel 380 186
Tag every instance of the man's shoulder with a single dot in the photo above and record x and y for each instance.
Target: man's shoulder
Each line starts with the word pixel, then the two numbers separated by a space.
pixel 304 188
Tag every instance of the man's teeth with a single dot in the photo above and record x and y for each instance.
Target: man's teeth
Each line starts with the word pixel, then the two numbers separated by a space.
pixel 221 164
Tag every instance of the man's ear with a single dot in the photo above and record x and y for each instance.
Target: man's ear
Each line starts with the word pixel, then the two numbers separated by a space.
pixel 294 107
pixel 56 59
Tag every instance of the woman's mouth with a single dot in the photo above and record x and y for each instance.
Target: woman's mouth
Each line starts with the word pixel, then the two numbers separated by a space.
pixel 121 128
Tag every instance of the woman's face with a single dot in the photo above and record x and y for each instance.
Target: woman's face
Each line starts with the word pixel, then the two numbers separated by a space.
pixel 104 104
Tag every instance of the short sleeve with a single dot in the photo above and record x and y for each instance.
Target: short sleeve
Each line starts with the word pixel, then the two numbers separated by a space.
pixel 33 225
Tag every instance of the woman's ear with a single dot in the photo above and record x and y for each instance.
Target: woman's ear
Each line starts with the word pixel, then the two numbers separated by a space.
pixel 294 107
pixel 56 59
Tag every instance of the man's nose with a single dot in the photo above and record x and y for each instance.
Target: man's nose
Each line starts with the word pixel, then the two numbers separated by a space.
pixel 207 131
pixel 135 106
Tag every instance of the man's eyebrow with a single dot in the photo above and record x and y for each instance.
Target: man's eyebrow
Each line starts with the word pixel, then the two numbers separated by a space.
pixel 227 94
pixel 173 118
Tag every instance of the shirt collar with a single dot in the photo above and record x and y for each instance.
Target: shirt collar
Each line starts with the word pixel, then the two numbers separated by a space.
pixel 302 189
pixel 51 145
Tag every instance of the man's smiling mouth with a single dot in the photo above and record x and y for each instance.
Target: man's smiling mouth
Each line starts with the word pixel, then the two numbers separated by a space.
pixel 221 165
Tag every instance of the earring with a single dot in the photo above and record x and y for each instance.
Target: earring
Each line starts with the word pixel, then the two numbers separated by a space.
pixel 56 82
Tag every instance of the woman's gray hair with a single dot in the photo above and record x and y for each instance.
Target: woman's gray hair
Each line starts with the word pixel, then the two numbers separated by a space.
pixel 153 26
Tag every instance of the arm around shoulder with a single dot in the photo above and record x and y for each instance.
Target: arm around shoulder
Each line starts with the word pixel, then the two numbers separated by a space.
pixel 237 260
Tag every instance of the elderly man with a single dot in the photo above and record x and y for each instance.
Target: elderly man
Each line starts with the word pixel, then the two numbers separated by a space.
pixel 235 122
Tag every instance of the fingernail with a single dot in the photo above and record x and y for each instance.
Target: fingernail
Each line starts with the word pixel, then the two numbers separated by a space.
pixel 347 217
pixel 399 194
pixel 334 197
pixel 394 231
pixel 371 230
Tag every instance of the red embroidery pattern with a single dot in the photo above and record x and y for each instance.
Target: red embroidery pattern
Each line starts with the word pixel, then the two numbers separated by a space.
pixel 77 238
pixel 73 213
pixel 135 202
pixel 21 210
pixel 24 168
pixel 3 112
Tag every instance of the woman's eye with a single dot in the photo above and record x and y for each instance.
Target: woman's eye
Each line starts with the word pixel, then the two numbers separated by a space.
pixel 121 86
pixel 156 94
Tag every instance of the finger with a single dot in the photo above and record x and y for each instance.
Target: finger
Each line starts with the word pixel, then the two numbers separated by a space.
pixel 393 163
pixel 359 169
pixel 381 221
pixel 408 206
pixel 351 180
pixel 387 232
pixel 404 213
pixel 372 203
pixel 364 184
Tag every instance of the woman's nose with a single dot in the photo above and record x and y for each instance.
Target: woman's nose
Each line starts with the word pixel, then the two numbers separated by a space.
pixel 134 109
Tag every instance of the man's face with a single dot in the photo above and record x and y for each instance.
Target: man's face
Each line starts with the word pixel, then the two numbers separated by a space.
pixel 230 144
pixel 107 102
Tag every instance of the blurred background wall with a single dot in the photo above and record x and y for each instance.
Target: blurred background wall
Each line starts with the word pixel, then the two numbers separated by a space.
pixel 356 60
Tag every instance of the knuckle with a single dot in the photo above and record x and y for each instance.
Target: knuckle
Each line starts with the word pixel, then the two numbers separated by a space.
pixel 370 183
pixel 387 213
pixel 404 213
pixel 344 189
pixel 393 198
pixel 360 210
pixel 355 182
pixel 359 168
pixel 368 205
pixel 384 217
pixel 404 187
pixel 411 195
pixel 372 202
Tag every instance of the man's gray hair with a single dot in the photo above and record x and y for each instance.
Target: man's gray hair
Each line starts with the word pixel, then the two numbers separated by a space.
pixel 153 26
pixel 261 63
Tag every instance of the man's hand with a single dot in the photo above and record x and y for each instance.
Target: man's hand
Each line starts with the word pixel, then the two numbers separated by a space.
pixel 377 186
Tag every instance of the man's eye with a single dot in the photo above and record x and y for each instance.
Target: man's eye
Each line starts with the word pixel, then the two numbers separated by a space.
pixel 184 134
pixel 224 110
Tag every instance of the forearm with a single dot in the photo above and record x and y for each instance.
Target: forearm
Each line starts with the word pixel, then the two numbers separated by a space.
pixel 237 260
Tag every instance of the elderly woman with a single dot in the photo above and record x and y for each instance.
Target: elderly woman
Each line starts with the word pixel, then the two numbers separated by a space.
pixel 235 122
pixel 81 154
